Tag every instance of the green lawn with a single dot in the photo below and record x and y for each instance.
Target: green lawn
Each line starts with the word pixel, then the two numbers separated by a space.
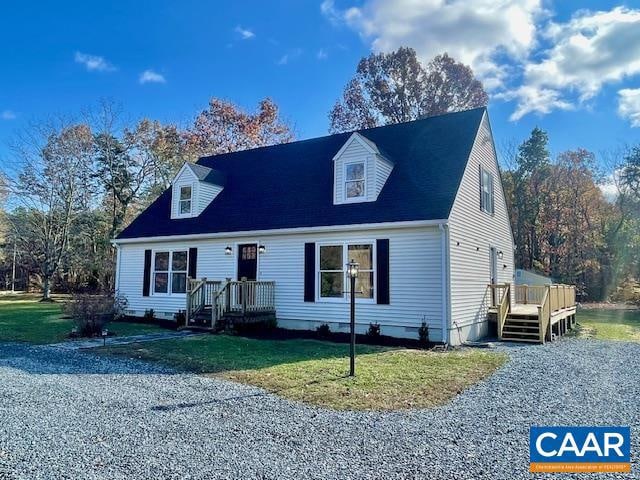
pixel 610 324
pixel 24 319
pixel 316 372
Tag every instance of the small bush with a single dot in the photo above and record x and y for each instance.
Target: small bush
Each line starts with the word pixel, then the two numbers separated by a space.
pixel 323 330
pixel 374 330
pixel 149 315
pixel 91 313
pixel 423 334
pixel 180 318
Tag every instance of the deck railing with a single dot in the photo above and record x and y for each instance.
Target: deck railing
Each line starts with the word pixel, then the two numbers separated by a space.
pixel 241 297
pixel 200 295
pixel 529 294
pixel 501 301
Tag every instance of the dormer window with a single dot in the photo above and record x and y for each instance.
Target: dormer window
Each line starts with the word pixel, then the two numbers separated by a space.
pixel 360 171
pixel 185 200
pixel 354 185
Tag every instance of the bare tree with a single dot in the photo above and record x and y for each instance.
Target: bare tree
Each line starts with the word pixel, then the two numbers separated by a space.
pixel 54 186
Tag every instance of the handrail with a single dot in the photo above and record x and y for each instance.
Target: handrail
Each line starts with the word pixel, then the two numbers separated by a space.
pixel 200 295
pixel 242 297
pixel 504 308
pixel 544 314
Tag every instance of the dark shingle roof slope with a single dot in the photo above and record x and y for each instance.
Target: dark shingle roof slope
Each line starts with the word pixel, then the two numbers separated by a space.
pixel 291 185
pixel 206 174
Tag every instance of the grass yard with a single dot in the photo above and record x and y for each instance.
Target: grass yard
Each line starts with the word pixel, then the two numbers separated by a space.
pixel 606 324
pixel 24 319
pixel 315 372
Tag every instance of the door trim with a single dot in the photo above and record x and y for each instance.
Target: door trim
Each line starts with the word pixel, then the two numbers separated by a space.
pixel 236 249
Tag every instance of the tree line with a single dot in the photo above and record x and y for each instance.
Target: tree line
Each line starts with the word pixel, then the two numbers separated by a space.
pixel 77 184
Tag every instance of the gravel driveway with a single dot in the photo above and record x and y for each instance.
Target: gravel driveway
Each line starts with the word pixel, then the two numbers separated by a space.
pixel 73 415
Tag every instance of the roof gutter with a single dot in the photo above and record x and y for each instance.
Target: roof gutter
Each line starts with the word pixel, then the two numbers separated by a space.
pixel 283 231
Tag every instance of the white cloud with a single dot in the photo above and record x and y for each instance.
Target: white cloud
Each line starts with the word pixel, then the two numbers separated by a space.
pixel 587 52
pixel 93 63
pixel 244 33
pixel 8 115
pixel 322 54
pixel 629 105
pixel 149 76
pixel 287 57
pixel 513 46
pixel 478 35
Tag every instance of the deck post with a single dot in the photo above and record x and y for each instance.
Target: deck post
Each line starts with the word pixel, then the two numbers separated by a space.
pixel 187 310
pixel 227 294
pixel 244 296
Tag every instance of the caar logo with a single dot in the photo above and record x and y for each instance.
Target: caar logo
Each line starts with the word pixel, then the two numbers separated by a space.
pixel 580 449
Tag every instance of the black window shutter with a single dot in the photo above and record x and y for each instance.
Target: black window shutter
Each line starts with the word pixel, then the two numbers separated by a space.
pixel 493 198
pixel 193 262
pixel 309 272
pixel 146 280
pixel 382 270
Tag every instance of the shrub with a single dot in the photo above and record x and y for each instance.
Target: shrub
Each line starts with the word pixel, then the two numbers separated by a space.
pixel 91 313
pixel 149 315
pixel 423 334
pixel 323 330
pixel 180 318
pixel 374 330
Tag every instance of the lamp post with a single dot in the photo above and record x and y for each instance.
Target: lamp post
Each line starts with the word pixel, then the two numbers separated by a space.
pixel 352 271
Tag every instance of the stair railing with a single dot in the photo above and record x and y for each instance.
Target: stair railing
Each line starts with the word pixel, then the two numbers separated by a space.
pixel 195 297
pixel 504 307
pixel 544 313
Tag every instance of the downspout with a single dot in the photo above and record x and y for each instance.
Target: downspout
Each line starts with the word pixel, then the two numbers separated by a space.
pixel 444 268
pixel 116 286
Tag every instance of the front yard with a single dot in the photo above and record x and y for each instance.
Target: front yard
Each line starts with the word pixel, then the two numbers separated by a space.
pixel 24 319
pixel 315 372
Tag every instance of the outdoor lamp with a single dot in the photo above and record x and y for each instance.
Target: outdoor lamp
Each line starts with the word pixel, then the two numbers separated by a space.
pixel 500 254
pixel 262 249
pixel 228 250
pixel 105 333
pixel 352 271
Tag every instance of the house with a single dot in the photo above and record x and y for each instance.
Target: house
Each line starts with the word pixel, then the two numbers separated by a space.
pixel 529 277
pixel 419 205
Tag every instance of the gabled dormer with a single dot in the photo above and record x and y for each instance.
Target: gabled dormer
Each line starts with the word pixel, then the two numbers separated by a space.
pixel 193 189
pixel 360 171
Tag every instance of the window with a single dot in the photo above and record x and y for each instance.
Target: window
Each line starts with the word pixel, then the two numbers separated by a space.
pixel 185 200
pixel 354 180
pixel 331 271
pixel 333 281
pixel 170 272
pixel 486 191
pixel 363 255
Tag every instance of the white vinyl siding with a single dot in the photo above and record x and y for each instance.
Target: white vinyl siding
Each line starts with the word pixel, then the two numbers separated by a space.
pixel 415 278
pixel 472 233
pixel 377 170
pixel 202 193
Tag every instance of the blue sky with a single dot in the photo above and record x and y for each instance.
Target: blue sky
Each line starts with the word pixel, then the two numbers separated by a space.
pixel 571 67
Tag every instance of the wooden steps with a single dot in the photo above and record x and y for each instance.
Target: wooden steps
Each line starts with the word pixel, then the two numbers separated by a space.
pixel 521 328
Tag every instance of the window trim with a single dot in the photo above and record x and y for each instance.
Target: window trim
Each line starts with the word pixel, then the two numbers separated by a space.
pixel 487 208
pixel 178 190
pixel 362 197
pixel 169 272
pixel 345 254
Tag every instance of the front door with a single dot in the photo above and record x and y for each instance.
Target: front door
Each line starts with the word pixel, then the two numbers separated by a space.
pixel 493 272
pixel 248 261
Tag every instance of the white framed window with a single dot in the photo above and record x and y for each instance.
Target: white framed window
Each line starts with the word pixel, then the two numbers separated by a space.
pixel 170 272
pixel 486 191
pixel 184 202
pixel 333 283
pixel 354 184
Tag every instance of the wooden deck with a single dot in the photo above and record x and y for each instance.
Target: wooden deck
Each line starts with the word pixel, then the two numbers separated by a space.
pixel 532 313
pixel 211 304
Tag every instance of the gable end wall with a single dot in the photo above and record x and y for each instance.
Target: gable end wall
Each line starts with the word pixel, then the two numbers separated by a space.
pixel 472 232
